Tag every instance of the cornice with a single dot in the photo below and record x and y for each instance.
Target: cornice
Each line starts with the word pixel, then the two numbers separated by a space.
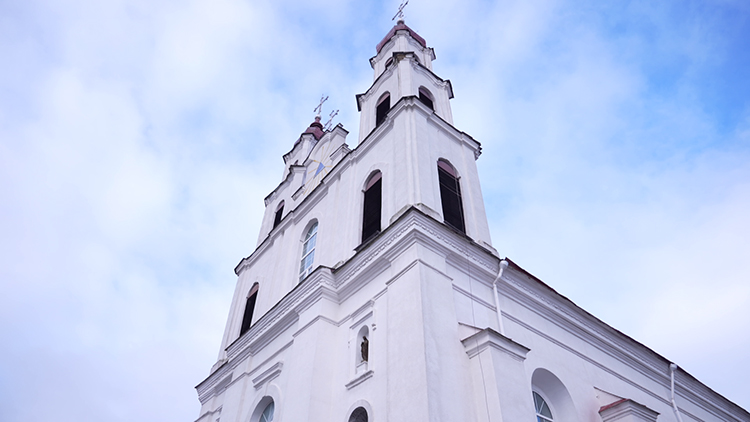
pixel 489 338
pixel 390 70
pixel 627 409
pixel 442 83
pixel 210 413
pixel 536 296
pixel 412 101
pixel 475 298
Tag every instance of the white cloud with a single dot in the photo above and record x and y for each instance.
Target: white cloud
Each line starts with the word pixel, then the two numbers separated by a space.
pixel 138 139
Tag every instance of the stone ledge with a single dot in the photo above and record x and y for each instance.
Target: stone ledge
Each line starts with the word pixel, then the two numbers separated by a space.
pixel 627 410
pixel 488 337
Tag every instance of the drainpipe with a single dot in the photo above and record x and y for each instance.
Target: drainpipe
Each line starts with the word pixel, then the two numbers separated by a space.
pixel 503 266
pixel 672 368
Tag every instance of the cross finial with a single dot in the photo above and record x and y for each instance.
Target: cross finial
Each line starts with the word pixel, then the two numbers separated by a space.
pixel 400 13
pixel 319 108
pixel 328 125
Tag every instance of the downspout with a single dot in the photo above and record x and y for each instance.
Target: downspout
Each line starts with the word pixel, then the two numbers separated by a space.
pixel 503 266
pixel 672 368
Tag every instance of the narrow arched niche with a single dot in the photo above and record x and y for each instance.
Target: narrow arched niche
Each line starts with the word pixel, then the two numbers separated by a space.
pixel 362 352
pixel 555 394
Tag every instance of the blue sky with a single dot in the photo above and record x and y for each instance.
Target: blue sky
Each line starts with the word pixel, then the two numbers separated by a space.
pixel 139 138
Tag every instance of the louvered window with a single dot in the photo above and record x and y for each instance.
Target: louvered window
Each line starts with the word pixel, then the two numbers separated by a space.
pixel 247 317
pixel 450 196
pixel 425 97
pixel 381 111
pixel 372 207
pixel 278 215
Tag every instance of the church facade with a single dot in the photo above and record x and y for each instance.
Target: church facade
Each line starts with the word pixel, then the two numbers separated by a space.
pixel 374 293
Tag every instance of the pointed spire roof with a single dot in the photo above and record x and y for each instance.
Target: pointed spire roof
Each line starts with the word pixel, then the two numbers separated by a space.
pixel 399 26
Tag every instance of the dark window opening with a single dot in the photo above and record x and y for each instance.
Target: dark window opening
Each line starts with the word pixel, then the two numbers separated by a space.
pixel 358 415
pixel 279 214
pixel 372 206
pixel 382 109
pixel 388 62
pixel 426 98
pixel 247 318
pixel 450 196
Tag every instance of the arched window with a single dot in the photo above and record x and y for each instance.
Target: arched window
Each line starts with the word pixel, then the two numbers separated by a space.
pixel 425 96
pixel 358 415
pixel 267 415
pixel 543 413
pixel 308 251
pixel 552 402
pixel 372 206
pixel 279 214
pixel 383 105
pixel 450 196
pixel 247 318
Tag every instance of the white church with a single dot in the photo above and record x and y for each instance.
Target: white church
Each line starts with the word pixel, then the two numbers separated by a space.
pixel 374 293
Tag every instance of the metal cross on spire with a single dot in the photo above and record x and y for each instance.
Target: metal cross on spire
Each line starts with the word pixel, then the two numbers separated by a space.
pixel 319 108
pixel 400 13
pixel 328 124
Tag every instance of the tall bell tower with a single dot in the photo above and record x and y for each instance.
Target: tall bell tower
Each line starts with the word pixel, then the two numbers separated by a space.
pixel 346 307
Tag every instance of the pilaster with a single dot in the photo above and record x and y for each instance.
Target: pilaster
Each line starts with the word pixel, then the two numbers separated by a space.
pixel 501 389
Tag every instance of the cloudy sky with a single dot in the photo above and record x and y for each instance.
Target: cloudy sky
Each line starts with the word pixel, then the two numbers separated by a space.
pixel 139 138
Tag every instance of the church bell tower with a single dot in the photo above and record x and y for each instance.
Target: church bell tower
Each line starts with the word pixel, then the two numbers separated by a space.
pixel 346 307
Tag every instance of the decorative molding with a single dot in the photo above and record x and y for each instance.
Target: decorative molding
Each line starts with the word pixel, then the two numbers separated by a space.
pixel 489 338
pixel 281 324
pixel 222 385
pixel 628 411
pixel 451 241
pixel 475 298
pixel 205 389
pixel 268 375
pixel 210 413
pixel 298 192
pixel 368 306
pixel 313 321
pixel 359 380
